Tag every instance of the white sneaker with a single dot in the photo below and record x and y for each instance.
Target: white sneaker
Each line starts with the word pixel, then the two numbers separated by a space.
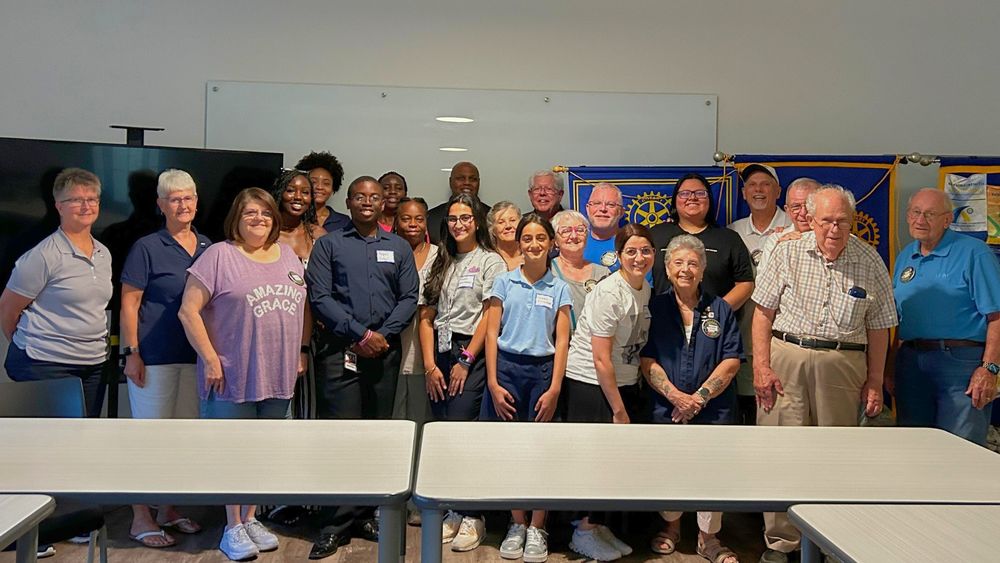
pixel 588 544
pixel 512 546
pixel 261 536
pixel 536 548
pixel 470 534
pixel 450 525
pixel 237 545
pixel 608 536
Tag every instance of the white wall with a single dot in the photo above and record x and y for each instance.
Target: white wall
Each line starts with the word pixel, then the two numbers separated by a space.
pixel 799 76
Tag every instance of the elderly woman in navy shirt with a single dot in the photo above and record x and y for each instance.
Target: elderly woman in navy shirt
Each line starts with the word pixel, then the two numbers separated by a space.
pixel 689 360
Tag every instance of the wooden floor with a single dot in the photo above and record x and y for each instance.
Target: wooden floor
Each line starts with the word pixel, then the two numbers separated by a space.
pixel 741 532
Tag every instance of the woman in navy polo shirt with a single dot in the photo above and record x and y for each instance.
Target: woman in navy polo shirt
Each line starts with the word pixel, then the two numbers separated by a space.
pixel 693 353
pixel 527 341
pixel 159 361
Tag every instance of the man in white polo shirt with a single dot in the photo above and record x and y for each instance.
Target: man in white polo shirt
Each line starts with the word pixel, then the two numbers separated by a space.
pixel 761 190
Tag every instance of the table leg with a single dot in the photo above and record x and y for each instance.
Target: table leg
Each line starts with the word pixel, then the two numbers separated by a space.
pixel 430 536
pixel 27 546
pixel 391 542
pixel 810 551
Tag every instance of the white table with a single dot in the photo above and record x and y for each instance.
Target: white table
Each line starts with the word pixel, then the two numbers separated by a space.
pixel 19 518
pixel 898 533
pixel 484 465
pixel 300 462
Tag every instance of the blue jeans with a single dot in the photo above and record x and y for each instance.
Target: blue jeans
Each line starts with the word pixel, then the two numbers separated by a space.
pixel 266 409
pixel 526 378
pixel 21 367
pixel 930 391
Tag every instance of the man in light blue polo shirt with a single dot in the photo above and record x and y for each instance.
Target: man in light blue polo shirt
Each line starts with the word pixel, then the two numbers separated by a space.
pixel 947 289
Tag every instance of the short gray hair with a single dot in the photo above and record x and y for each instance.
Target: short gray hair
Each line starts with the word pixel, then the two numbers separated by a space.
pixel 949 204
pixel 607 186
pixel 803 183
pixel 174 180
pixel 70 177
pixel 687 242
pixel 498 208
pixel 567 216
pixel 539 173
pixel 846 195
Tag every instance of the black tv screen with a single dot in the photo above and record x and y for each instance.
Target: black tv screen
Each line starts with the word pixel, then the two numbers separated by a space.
pixel 128 176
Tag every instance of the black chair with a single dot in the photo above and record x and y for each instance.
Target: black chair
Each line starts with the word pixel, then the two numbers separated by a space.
pixel 57 398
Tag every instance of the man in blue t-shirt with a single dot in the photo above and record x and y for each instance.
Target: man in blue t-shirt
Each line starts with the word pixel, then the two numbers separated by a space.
pixel 604 211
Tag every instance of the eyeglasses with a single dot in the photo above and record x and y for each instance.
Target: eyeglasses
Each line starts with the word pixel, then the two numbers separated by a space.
pixel 188 199
pixel 370 198
pixel 464 219
pixel 646 251
pixel 254 214
pixel 543 190
pixel 696 194
pixel 841 225
pixel 608 204
pixel 913 214
pixel 80 201
pixel 566 231
pixel 796 208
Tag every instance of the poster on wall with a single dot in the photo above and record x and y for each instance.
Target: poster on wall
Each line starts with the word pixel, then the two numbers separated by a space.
pixel 974 186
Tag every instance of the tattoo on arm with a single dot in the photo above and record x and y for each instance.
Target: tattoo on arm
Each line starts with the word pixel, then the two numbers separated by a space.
pixel 713 385
pixel 658 380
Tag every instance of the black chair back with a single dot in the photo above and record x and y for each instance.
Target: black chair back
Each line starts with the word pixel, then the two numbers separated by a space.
pixel 50 398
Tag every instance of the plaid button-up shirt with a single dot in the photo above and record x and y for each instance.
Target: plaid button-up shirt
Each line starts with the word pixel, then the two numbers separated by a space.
pixel 813 296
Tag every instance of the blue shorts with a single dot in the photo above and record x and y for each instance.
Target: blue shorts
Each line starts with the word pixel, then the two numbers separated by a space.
pixel 525 378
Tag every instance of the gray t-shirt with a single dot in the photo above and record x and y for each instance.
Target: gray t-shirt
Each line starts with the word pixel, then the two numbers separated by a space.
pixel 578 291
pixel 467 283
pixel 66 322
pixel 613 309
pixel 412 362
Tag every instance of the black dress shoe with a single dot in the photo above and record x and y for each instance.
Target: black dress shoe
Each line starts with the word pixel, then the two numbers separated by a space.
pixel 368 529
pixel 327 545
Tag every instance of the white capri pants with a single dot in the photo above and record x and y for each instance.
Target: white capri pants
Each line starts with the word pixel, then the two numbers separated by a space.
pixel 170 391
pixel 708 522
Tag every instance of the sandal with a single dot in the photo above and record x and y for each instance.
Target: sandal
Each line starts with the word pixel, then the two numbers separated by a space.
pixel 183 525
pixel 665 541
pixel 714 551
pixel 145 539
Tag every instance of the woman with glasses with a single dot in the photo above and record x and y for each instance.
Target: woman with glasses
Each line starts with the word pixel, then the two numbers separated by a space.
pixel 572 231
pixel 729 273
pixel 692 354
pixel 394 187
pixel 602 372
pixel 502 221
pixel 452 334
pixel 159 361
pixel 66 280
pixel 245 313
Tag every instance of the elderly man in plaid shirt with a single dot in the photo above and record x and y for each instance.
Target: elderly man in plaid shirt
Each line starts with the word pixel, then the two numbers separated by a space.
pixel 820 334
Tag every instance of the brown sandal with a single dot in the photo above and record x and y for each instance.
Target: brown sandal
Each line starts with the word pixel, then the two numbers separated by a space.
pixel 665 542
pixel 714 551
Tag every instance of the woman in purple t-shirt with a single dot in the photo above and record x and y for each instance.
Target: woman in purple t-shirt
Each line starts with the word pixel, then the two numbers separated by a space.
pixel 245 313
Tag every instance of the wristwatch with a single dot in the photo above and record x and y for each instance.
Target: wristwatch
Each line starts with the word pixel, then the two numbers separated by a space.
pixel 704 393
pixel 991 367
pixel 129 350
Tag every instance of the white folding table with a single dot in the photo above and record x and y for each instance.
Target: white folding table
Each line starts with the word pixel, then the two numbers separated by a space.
pixel 19 518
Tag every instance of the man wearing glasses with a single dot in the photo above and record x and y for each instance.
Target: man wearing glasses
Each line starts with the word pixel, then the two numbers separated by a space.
pixel 545 190
pixel 820 334
pixel 362 284
pixel 947 289
pixel 464 178
pixel 604 211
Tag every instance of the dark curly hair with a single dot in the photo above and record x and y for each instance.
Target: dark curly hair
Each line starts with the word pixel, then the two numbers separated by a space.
pixel 279 186
pixel 327 162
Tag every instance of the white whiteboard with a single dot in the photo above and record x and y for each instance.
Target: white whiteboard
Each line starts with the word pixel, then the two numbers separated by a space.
pixel 373 129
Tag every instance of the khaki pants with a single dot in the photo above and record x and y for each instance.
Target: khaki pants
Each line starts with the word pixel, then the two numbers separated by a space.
pixel 708 522
pixel 822 388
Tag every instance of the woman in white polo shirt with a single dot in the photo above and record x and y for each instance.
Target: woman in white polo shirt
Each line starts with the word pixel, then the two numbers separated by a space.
pixel 602 372
pixel 53 309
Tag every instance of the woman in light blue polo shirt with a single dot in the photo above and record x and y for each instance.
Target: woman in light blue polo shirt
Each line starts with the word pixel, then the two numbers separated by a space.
pixel 159 361
pixel 53 308
pixel 527 341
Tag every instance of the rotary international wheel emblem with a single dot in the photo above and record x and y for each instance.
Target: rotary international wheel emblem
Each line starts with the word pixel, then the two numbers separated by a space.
pixel 866 229
pixel 649 208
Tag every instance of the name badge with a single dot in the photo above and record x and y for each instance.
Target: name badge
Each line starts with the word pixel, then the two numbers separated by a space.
pixel 543 301
pixel 351 361
pixel 467 281
pixel 385 256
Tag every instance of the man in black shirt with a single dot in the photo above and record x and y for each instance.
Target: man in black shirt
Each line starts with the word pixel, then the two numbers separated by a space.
pixel 464 178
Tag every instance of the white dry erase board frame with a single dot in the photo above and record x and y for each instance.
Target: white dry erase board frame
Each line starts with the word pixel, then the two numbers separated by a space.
pixel 373 129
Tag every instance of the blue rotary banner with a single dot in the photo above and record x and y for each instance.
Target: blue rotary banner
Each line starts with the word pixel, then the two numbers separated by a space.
pixel 872 180
pixel 646 190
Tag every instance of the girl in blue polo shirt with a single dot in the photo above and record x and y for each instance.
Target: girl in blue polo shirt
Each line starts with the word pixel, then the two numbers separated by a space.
pixel 527 342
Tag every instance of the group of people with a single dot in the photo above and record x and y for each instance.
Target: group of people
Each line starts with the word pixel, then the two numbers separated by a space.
pixel 466 311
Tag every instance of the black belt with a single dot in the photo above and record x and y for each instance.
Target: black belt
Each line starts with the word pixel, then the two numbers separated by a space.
pixel 807 342
pixel 921 344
